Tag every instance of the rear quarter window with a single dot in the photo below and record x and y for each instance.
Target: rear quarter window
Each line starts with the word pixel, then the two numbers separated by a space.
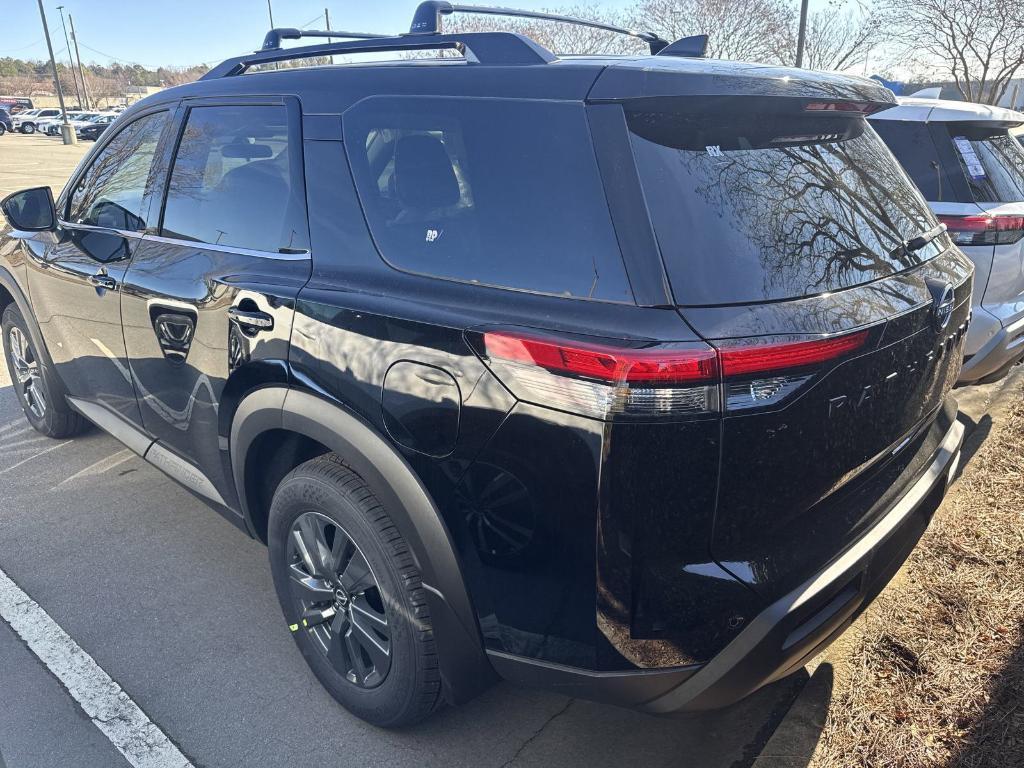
pixel 767 205
pixel 497 192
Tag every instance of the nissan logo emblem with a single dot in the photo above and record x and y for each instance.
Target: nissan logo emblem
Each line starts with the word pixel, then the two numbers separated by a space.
pixel 942 309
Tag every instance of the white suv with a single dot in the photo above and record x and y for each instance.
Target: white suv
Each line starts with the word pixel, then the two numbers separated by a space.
pixel 27 122
pixel 971 170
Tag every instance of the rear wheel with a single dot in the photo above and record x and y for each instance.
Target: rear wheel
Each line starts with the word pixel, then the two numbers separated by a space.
pixel 34 381
pixel 3 129
pixel 352 594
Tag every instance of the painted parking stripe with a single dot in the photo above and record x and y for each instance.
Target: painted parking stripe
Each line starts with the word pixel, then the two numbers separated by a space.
pixel 101 466
pixel 120 719
pixel 34 456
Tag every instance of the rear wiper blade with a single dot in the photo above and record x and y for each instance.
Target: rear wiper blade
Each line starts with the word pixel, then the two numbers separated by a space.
pixel 919 242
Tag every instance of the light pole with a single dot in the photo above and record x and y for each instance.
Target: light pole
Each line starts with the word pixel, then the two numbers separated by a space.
pixel 270 11
pixel 66 132
pixel 81 72
pixel 71 61
pixel 801 38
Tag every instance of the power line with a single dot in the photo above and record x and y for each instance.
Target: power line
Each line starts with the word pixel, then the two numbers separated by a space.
pixel 24 47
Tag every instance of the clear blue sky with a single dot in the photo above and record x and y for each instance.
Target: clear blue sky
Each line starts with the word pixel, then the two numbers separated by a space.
pixel 181 32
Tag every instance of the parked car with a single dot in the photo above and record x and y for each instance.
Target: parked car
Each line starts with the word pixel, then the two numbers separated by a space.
pixel 26 122
pixel 971 170
pixel 6 124
pixel 624 376
pixel 93 128
pixel 51 126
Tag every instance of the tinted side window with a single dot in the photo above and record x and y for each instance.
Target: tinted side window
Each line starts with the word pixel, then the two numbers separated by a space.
pixel 112 192
pixel 912 144
pixel 235 181
pixel 498 192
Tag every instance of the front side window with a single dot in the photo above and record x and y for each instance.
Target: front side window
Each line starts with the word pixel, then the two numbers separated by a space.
pixel 491 191
pixel 234 181
pixel 112 192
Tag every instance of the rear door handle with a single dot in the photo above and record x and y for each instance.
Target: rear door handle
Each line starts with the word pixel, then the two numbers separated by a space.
pixel 103 281
pixel 259 321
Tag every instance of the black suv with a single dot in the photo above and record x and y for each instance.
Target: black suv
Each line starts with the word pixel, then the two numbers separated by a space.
pixel 625 376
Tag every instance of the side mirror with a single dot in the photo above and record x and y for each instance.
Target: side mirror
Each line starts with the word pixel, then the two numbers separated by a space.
pixel 31 210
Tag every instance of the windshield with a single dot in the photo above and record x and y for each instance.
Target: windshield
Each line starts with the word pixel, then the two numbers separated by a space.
pixel 772 205
pixel 993 162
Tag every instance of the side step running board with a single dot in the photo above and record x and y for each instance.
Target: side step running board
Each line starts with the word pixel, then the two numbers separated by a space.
pixel 149 449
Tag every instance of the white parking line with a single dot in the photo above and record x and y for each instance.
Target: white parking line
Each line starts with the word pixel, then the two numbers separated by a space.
pixel 34 456
pixel 120 719
pixel 101 466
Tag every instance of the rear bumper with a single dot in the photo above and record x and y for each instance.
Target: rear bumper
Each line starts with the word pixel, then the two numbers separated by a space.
pixel 999 353
pixel 786 634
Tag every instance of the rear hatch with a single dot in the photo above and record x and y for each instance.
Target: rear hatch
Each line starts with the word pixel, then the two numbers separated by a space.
pixel 796 245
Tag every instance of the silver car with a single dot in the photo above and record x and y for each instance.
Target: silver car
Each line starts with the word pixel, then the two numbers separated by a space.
pixel 971 170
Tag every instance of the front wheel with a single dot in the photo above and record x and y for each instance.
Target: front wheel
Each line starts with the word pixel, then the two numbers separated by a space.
pixel 34 382
pixel 28 128
pixel 3 129
pixel 352 594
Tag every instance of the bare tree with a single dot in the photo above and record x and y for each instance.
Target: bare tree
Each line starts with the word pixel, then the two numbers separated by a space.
pixel 979 44
pixel 750 30
pixel 839 37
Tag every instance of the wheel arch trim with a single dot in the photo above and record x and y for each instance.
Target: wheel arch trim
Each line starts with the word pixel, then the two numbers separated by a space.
pixel 465 668
pixel 11 285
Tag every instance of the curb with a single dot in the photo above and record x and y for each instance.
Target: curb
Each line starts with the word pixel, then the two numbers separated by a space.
pixel 795 739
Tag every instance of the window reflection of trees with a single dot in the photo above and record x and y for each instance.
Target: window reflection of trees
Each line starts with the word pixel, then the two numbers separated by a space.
pixel 819 215
pixel 120 172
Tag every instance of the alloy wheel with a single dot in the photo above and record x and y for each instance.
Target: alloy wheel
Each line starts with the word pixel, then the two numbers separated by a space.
pixel 340 602
pixel 26 372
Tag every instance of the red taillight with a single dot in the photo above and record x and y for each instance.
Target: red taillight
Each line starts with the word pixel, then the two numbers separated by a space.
pixel 615 365
pixel 746 360
pixel 609 381
pixel 984 229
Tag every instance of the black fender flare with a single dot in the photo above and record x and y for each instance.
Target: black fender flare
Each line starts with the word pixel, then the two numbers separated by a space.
pixel 465 668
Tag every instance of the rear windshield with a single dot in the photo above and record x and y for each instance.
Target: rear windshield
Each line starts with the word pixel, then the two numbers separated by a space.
pixel 992 160
pixel 770 204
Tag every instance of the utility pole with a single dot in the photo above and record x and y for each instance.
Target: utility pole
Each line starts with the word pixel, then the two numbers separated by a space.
pixel 801 39
pixel 81 71
pixel 71 61
pixel 66 132
pixel 327 23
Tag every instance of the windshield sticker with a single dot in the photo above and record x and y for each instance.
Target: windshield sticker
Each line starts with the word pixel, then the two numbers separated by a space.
pixel 974 167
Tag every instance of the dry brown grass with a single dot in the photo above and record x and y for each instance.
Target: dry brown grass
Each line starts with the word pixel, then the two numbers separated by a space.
pixel 934 675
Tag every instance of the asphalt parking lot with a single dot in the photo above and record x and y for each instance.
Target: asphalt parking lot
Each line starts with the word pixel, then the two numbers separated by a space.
pixel 177 607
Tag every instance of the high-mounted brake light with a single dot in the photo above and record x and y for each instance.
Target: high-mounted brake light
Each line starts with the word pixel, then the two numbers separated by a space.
pixel 984 229
pixel 845 107
pixel 745 360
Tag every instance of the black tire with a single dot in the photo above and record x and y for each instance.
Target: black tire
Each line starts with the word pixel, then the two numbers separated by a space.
pixel 3 129
pixel 40 394
pixel 325 498
pixel 28 128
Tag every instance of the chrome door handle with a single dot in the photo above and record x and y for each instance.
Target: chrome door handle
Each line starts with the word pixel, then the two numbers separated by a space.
pixel 103 281
pixel 258 321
